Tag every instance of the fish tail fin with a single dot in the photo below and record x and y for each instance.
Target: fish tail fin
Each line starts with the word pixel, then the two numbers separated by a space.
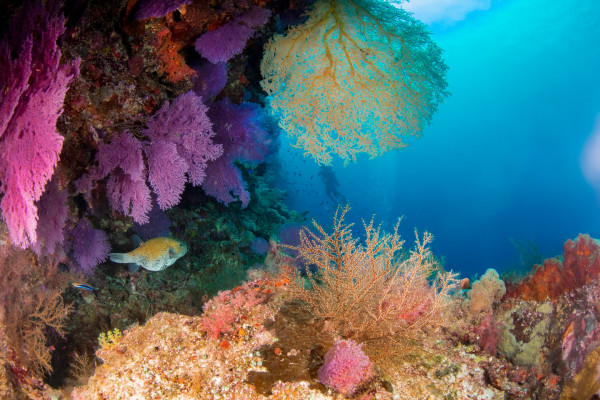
pixel 121 258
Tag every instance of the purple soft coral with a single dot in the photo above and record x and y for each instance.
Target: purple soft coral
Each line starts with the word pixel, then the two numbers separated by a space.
pixel 53 213
pixel 185 125
pixel 33 85
pixel 180 143
pixel 240 132
pixel 129 196
pixel 126 188
pixel 225 181
pixel 229 40
pixel 210 79
pixel 166 173
pixel 90 246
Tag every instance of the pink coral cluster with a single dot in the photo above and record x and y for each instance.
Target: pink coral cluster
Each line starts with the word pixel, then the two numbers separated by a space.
pixel 346 367
pixel 229 306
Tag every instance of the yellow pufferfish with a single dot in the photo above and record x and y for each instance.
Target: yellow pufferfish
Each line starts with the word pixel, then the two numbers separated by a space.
pixel 154 255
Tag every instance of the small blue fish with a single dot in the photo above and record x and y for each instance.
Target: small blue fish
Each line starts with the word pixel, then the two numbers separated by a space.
pixel 83 286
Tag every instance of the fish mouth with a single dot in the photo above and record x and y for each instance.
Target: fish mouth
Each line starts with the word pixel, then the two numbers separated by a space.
pixel 185 249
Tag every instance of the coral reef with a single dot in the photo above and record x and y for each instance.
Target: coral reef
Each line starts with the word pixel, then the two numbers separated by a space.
pixel 113 130
pixel 173 356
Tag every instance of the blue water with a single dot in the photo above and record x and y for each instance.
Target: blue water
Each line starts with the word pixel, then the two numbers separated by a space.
pixel 501 158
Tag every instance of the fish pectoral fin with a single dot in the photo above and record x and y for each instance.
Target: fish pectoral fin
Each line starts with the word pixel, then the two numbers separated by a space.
pixel 120 258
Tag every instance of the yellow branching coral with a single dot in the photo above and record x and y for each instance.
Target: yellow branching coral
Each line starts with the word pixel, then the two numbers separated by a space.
pixel 357 76
pixel 109 339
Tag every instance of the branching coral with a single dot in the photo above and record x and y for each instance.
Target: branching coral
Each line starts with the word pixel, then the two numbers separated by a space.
pixel 31 306
pixel 368 291
pixel 358 76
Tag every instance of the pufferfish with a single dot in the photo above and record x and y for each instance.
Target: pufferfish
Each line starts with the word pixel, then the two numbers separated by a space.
pixel 154 255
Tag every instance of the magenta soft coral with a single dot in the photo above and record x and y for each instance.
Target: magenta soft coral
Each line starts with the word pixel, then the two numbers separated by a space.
pixel 346 367
pixel 181 143
pixel 126 186
pixel 33 85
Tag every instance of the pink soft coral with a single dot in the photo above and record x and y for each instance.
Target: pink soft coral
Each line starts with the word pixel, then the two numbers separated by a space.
pixel 346 367
pixel 33 85
pixel 228 307
pixel 217 319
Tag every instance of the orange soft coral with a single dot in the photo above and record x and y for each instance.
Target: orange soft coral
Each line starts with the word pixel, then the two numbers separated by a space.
pixel 580 265
pixel 173 63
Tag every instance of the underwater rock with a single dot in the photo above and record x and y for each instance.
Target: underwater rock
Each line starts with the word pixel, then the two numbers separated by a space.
pixel 524 332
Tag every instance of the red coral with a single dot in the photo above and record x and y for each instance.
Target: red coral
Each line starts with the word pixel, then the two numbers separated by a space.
pixel 580 265
pixel 173 63
pixel 488 334
pixel 218 320
pixel 229 306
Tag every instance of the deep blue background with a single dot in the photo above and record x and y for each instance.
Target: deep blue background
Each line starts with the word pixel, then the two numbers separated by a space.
pixel 501 158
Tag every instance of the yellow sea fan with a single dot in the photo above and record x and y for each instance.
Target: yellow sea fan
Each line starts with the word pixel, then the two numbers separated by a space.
pixel 357 77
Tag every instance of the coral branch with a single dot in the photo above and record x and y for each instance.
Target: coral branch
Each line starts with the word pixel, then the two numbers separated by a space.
pixel 365 290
